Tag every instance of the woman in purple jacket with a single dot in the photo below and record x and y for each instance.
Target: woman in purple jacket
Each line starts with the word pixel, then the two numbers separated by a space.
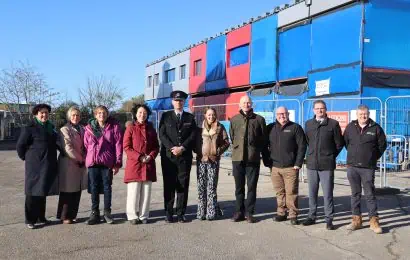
pixel 103 144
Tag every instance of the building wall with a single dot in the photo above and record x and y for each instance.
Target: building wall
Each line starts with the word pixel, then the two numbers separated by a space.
pixel 387 37
pixel 216 64
pixel 293 14
pixel 238 75
pixel 320 6
pixel 164 88
pixel 263 51
pixel 197 82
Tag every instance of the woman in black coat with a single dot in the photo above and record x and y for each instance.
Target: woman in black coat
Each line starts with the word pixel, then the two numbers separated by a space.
pixel 37 146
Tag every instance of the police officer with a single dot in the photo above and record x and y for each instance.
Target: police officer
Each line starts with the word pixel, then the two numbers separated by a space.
pixel 177 135
pixel 365 144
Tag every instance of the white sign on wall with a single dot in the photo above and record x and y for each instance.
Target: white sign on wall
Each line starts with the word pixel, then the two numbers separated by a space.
pixel 353 115
pixel 322 87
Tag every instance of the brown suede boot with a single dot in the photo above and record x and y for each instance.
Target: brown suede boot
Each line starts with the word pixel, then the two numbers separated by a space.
pixel 356 223
pixel 375 226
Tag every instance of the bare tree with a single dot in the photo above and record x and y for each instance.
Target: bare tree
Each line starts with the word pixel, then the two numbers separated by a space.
pixel 127 104
pixel 100 91
pixel 23 84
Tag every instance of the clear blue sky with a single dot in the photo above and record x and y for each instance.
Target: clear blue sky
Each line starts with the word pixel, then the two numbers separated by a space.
pixel 70 40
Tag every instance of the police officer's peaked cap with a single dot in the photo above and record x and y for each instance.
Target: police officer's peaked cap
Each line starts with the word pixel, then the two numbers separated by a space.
pixel 179 95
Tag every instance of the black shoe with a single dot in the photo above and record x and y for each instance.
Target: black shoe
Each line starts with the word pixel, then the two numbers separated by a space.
pixel 250 218
pixel 280 218
pixel 107 217
pixel 31 226
pixel 309 221
pixel 169 219
pixel 329 225
pixel 134 221
pixel 238 216
pixel 202 218
pixel 294 221
pixel 181 219
pixel 94 218
pixel 43 221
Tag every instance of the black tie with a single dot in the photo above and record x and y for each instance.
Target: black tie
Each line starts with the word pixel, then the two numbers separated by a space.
pixel 179 118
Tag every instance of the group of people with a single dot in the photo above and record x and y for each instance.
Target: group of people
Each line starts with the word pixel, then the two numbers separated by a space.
pixel 90 156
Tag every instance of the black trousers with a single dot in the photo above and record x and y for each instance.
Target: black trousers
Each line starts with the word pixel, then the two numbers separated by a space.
pixel 248 172
pixel 68 203
pixel 359 177
pixel 175 174
pixel 35 208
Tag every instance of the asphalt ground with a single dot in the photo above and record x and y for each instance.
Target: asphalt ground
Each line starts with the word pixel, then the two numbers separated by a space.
pixel 220 239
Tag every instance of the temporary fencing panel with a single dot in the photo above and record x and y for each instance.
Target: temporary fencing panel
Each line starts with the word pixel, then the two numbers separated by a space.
pixel 294 52
pixel 343 109
pixel 197 72
pixel 263 51
pixel 216 64
pixel 397 111
pixel 395 166
pixel 387 41
pixel 335 81
pixel 336 38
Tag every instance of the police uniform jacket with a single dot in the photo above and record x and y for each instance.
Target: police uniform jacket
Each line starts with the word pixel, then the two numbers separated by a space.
pixel 172 133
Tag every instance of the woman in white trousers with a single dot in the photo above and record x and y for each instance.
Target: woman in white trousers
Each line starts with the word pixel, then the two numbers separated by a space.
pixel 141 146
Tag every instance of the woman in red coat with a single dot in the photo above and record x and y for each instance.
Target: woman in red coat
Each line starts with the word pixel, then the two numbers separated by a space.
pixel 141 146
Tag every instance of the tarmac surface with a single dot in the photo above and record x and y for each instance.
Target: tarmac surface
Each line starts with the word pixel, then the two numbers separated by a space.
pixel 220 239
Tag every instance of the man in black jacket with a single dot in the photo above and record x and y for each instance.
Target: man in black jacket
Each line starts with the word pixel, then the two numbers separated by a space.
pixel 325 141
pixel 365 144
pixel 284 155
pixel 177 135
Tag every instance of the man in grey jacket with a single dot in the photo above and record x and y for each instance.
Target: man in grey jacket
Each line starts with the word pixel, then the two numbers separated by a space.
pixel 325 141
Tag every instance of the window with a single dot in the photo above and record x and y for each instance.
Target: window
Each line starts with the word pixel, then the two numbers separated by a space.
pixel 182 72
pixel 156 79
pixel 169 75
pixel 197 67
pixel 149 81
pixel 239 55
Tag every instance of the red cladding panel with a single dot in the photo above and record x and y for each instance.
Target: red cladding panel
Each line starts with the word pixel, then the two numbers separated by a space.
pixel 217 102
pixel 197 82
pixel 232 101
pixel 238 75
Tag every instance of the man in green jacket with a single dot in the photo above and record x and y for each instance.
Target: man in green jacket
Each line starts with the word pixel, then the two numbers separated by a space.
pixel 248 136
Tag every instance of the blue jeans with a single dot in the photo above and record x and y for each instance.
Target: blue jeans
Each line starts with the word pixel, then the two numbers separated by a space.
pixel 100 179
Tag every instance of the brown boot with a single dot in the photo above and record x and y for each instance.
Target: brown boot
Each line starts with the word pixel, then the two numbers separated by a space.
pixel 356 223
pixel 375 226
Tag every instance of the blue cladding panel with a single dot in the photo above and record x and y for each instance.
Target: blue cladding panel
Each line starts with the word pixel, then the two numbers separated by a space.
pixel 216 64
pixel 263 50
pixel 294 52
pixel 336 81
pixel 336 38
pixel 239 55
pixel 384 93
pixel 387 34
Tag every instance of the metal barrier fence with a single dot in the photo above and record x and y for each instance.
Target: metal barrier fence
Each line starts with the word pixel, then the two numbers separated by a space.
pixel 344 111
pixel 393 115
pixel 396 157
